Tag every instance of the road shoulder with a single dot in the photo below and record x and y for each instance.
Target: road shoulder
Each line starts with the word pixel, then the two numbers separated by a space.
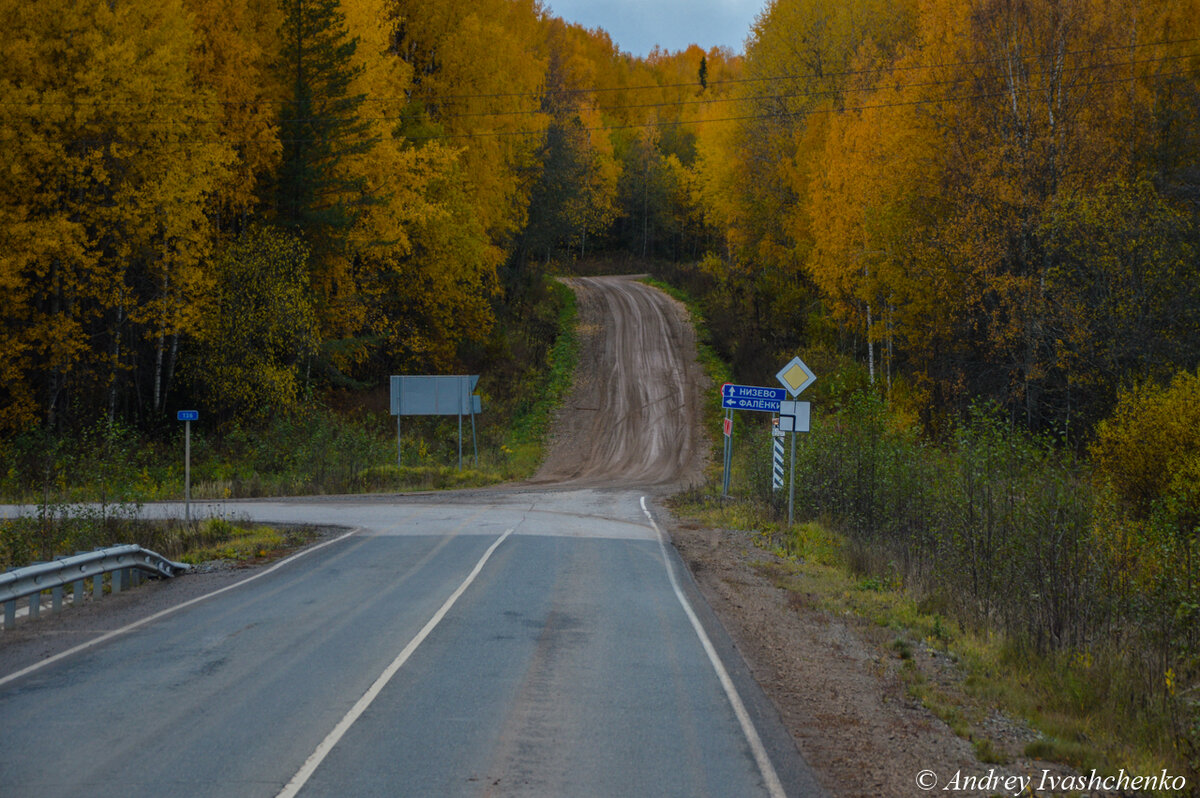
pixel 53 633
pixel 837 688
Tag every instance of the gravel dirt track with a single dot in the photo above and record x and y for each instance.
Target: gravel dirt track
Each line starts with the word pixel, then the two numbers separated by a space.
pixel 632 417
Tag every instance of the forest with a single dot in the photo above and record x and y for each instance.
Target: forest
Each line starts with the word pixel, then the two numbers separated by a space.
pixel 234 205
pixel 230 204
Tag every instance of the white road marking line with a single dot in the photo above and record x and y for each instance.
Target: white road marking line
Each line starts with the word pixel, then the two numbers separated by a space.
pixel 314 760
pixel 774 786
pixel 150 618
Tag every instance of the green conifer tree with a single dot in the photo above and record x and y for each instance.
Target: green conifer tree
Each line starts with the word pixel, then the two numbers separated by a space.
pixel 320 127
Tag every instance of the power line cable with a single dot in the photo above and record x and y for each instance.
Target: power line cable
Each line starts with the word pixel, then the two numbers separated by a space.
pixel 542 93
pixel 811 76
pixel 815 93
pixel 103 141
pixel 822 111
pixel 683 103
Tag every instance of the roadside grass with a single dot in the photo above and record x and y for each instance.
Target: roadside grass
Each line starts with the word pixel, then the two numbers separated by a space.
pixel 66 530
pixel 1079 709
pixel 317 450
pixel 1099 707
pixel 220 539
pixel 528 435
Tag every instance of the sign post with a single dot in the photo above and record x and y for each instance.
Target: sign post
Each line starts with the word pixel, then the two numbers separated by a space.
pixel 728 429
pixel 428 395
pixel 187 417
pixel 795 377
pixel 776 456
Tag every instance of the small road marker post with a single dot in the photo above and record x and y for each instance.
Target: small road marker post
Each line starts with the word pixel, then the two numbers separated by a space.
pixel 187 417
pixel 776 455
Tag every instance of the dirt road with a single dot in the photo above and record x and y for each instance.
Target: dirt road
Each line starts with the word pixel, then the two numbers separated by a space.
pixel 632 418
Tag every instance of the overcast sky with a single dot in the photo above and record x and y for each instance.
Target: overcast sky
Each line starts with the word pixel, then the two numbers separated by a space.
pixel 637 25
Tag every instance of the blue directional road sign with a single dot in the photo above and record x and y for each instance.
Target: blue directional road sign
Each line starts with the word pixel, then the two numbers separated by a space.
pixel 751 397
pixel 187 415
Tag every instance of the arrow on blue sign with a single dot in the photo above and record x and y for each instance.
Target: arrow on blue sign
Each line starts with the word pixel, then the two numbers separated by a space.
pixel 751 397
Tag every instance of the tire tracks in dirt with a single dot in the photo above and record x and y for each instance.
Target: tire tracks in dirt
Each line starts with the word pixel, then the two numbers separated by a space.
pixel 632 416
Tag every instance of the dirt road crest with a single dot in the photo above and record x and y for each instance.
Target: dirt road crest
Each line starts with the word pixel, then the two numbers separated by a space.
pixel 632 417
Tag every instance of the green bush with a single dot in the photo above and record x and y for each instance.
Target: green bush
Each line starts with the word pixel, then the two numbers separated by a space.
pixel 1148 450
pixel 1018 539
pixel 1147 456
pixel 989 524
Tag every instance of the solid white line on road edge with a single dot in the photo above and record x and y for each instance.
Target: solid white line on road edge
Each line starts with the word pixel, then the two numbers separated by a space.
pixel 150 618
pixel 314 760
pixel 774 786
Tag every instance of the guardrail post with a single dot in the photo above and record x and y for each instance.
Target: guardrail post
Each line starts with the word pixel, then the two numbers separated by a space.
pixel 130 565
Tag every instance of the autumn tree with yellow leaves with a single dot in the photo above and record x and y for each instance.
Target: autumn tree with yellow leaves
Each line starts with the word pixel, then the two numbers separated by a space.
pixel 110 162
pixel 426 157
pixel 989 197
pixel 977 198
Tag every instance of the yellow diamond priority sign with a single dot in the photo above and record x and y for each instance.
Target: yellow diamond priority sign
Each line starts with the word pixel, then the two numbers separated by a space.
pixel 796 376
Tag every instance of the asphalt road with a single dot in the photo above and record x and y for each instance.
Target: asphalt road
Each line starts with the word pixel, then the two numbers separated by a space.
pixel 535 640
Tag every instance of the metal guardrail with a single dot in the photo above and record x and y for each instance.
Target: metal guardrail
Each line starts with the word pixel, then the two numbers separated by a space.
pixel 126 564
